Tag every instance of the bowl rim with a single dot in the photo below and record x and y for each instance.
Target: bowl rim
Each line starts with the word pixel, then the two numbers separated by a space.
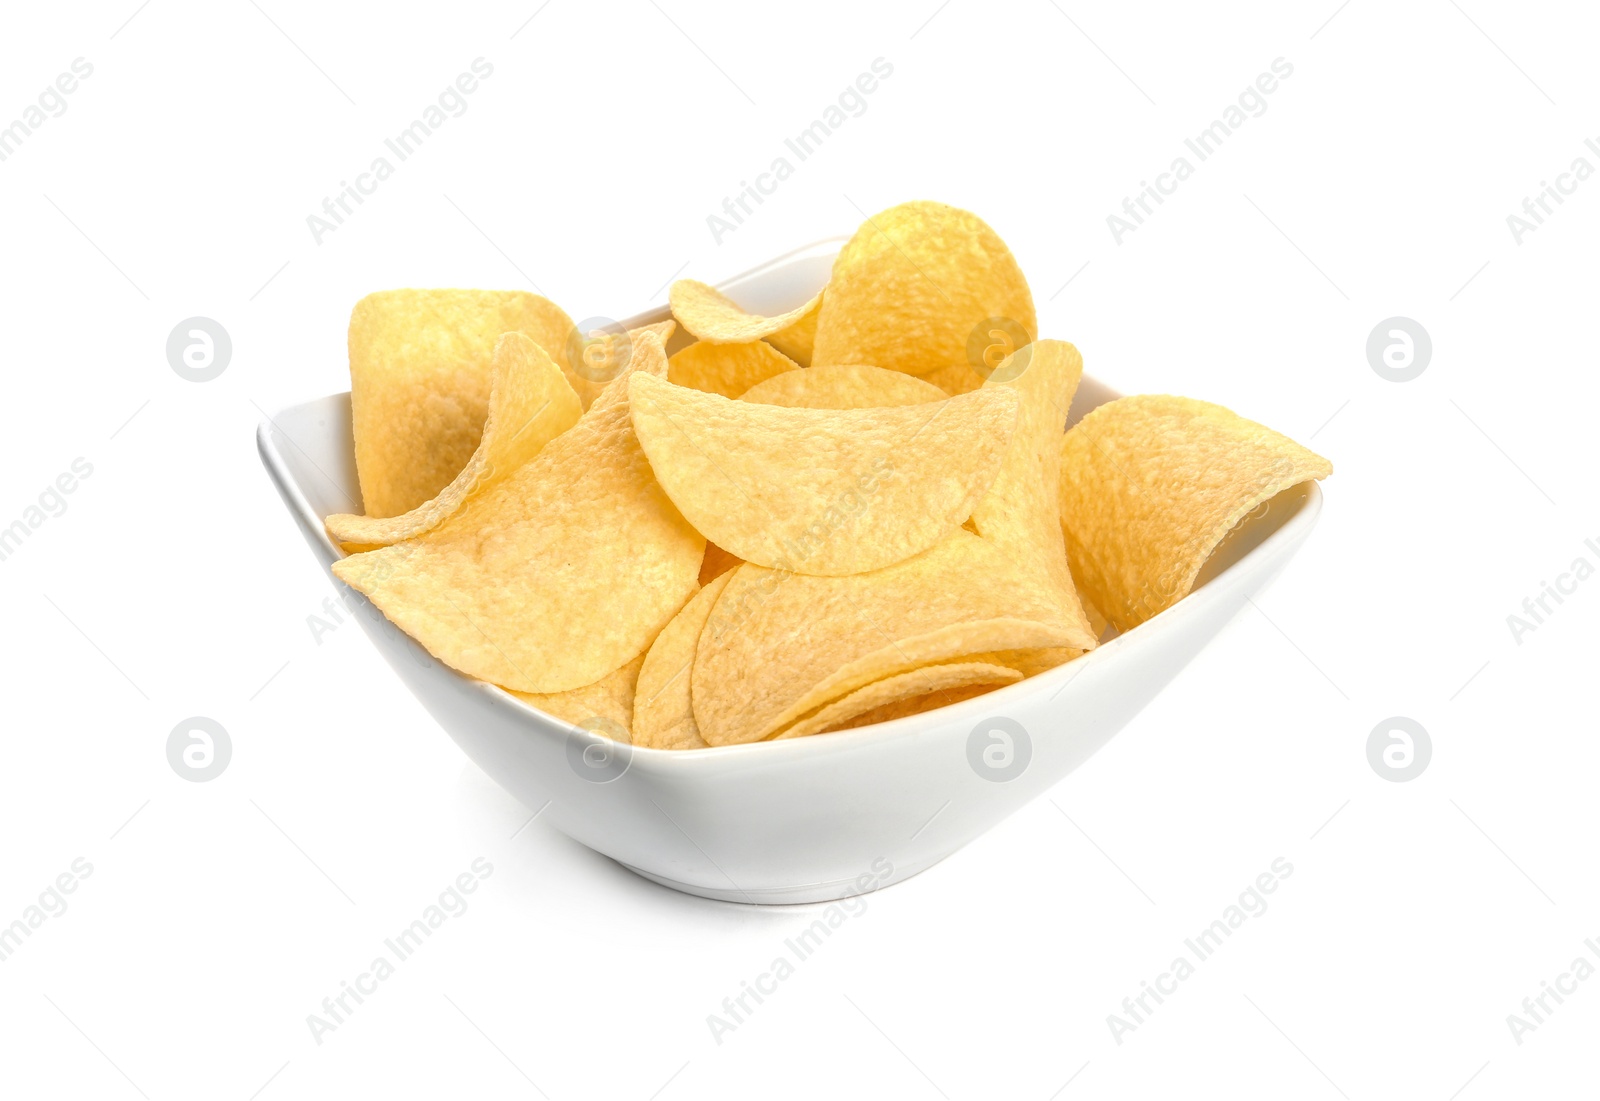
pixel 856 738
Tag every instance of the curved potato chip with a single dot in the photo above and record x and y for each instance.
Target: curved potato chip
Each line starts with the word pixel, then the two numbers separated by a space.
pixel 799 339
pixel 779 645
pixel 954 378
pixel 593 360
pixel 843 387
pixel 727 369
pixel 821 491
pixel 556 575
pixel 1151 484
pixel 1021 513
pixel 663 715
pixel 530 404
pixel 919 286
pixel 892 690
pixel 712 316
pixel 716 563
pixel 914 705
pixel 420 382
pixel 604 707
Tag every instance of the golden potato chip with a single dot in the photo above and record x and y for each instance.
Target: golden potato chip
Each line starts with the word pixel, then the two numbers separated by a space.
pixel 892 690
pixel 922 285
pixel 716 563
pixel 420 380
pixel 1097 621
pixel 530 404
pixel 843 387
pixel 915 705
pixel 1151 484
pixel 556 575
pixel 604 707
pixel 821 491
pixel 1021 513
pixel 727 369
pixel 663 715
pixel 712 316
pixel 780 645
pixel 954 378
pixel 595 358
pixel 799 339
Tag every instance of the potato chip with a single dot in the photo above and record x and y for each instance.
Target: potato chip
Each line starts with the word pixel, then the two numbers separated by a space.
pixel 712 316
pixel 922 285
pixel 821 491
pixel 594 359
pixel 604 707
pixel 915 705
pixel 1021 513
pixel 663 715
pixel 954 378
pixel 1151 484
pixel 727 369
pixel 420 379
pixel 716 563
pixel 555 576
pixel 843 387
pixel 892 690
pixel 800 338
pixel 780 645
pixel 1097 620
pixel 530 404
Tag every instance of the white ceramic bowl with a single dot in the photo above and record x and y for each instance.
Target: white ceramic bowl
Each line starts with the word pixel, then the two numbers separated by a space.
pixel 813 818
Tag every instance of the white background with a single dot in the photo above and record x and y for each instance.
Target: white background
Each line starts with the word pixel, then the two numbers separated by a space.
pixel 218 915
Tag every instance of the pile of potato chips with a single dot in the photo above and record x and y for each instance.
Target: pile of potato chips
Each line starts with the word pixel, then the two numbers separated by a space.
pixel 861 509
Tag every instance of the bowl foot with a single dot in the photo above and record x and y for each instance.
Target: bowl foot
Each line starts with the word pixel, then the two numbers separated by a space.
pixel 789 895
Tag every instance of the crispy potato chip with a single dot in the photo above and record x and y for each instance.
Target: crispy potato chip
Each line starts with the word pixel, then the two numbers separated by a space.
pixel 915 705
pixel 892 690
pixel 800 338
pixel 727 369
pixel 954 378
pixel 663 715
pixel 716 563
pixel 420 380
pixel 1021 513
pixel 922 285
pixel 1030 663
pixel 604 707
pixel 596 358
pixel 821 491
pixel 1151 484
pixel 1027 663
pixel 530 404
pixel 558 574
pixel 843 387
pixel 712 316
pixel 1097 621
pixel 779 645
